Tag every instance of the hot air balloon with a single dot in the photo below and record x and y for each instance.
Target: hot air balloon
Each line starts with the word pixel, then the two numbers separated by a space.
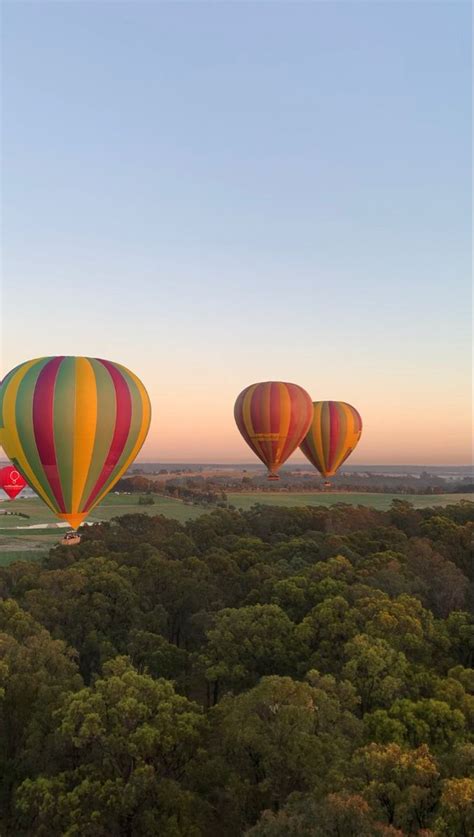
pixel 273 417
pixel 11 481
pixel 72 426
pixel 334 433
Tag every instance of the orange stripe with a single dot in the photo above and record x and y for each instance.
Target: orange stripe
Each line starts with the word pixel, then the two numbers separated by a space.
pixel 247 417
pixel 85 426
pixel 265 418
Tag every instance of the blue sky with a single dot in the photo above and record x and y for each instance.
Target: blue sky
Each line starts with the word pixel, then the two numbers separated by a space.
pixel 220 193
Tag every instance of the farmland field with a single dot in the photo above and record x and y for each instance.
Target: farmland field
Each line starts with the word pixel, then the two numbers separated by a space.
pixel 33 535
pixel 376 501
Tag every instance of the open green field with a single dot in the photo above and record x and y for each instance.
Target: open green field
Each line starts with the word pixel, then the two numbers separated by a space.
pixel 19 537
pixel 113 505
pixel 376 501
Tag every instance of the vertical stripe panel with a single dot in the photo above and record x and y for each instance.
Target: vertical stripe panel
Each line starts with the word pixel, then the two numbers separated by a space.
pixel 43 418
pixel 63 424
pixel 333 434
pixel 325 434
pixel 252 429
pixel 85 425
pixel 105 425
pixel 11 441
pixel 3 389
pixel 317 436
pixel 23 419
pixel 138 407
pixel 285 418
pixel 137 442
pixel 123 414
pixel 344 435
pixel 266 421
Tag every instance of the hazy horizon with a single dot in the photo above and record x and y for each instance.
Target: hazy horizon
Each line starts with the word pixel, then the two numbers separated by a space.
pixel 292 461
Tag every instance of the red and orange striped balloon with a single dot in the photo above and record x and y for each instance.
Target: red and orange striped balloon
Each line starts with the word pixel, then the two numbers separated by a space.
pixel 72 426
pixel 273 417
pixel 334 433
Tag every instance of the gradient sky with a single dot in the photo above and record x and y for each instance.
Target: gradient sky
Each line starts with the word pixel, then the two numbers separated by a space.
pixel 220 193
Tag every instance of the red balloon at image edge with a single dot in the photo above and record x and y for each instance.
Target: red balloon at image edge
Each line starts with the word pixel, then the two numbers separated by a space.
pixel 11 481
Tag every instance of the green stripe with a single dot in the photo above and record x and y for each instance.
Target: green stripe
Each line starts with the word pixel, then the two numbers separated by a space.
pixel 342 440
pixel 25 428
pixel 325 433
pixel 106 416
pixel 63 422
pixel 312 445
pixel 135 425
pixel 3 389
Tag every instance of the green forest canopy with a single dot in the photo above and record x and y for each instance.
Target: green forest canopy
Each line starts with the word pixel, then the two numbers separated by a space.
pixel 279 671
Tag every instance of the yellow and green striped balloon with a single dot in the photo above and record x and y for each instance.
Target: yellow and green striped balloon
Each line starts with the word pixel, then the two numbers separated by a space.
pixel 334 432
pixel 72 426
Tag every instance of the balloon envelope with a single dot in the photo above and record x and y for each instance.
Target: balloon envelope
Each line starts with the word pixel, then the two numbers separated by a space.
pixel 11 481
pixel 273 417
pixel 72 426
pixel 334 433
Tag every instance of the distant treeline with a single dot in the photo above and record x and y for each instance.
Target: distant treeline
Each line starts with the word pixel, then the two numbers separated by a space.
pixel 215 487
pixel 275 673
pixel 197 491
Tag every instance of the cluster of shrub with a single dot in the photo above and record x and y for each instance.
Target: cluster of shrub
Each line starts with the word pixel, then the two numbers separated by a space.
pixel 196 491
pixel 275 672
pixel 297 482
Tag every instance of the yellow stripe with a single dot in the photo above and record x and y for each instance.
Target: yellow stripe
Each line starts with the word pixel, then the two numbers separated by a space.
pixel 10 438
pixel 344 440
pixel 145 425
pixel 356 421
pixel 85 425
pixel 317 434
pixel 267 444
pixel 352 435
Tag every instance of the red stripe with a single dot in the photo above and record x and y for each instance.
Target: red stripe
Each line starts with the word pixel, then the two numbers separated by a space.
pixel 275 408
pixel 300 415
pixel 43 425
pixel 275 418
pixel 334 425
pixel 123 417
